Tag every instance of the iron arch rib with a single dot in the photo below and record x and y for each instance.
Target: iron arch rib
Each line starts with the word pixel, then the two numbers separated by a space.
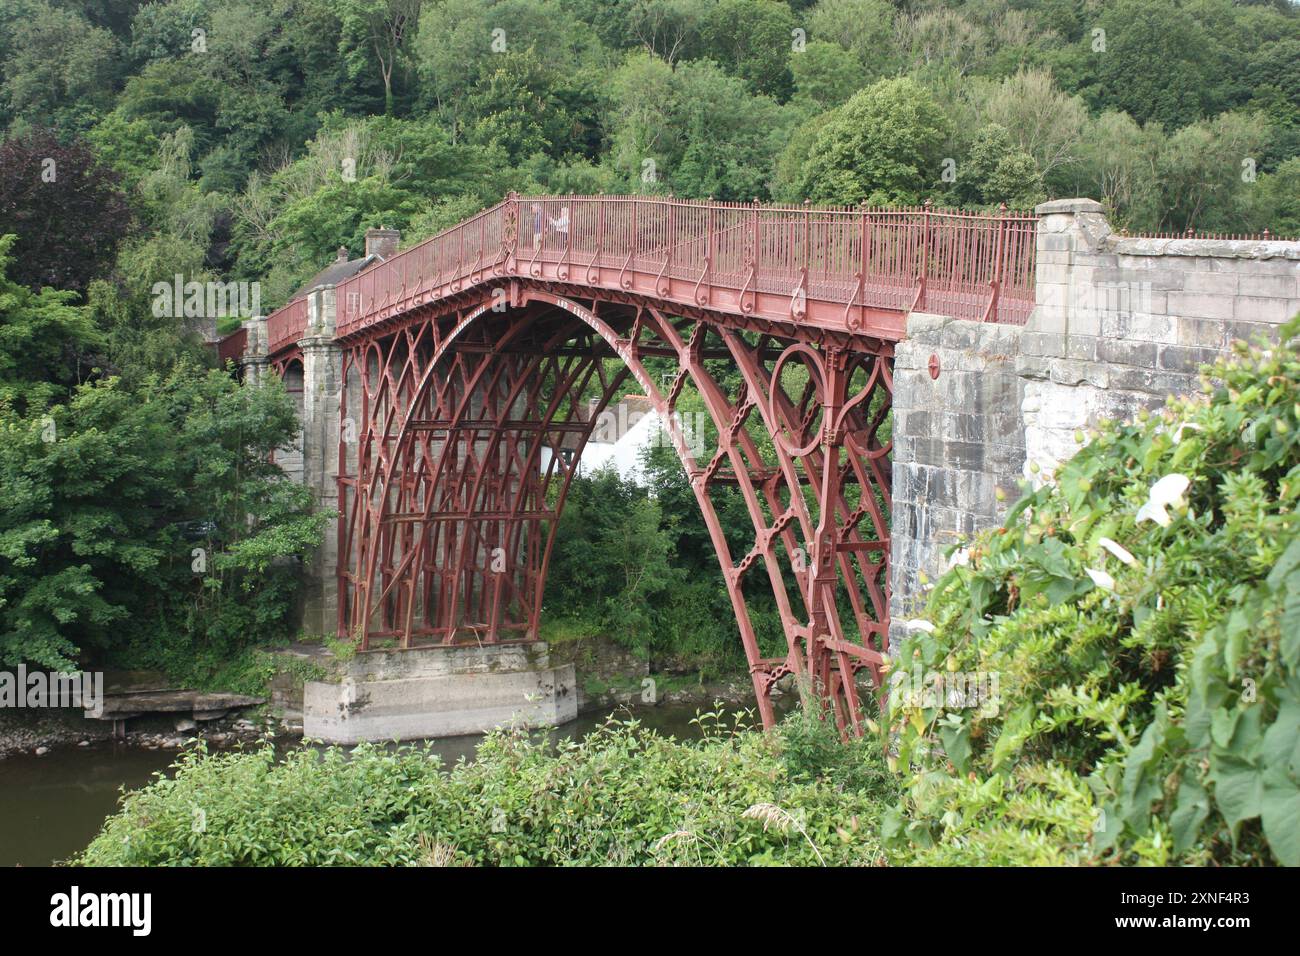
pixel 453 485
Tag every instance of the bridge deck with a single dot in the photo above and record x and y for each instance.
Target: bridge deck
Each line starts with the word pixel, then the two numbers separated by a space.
pixel 848 270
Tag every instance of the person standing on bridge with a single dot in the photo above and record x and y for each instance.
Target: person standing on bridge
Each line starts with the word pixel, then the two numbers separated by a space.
pixel 537 224
pixel 561 224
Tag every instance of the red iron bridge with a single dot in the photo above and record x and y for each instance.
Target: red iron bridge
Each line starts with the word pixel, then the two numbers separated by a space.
pixel 460 361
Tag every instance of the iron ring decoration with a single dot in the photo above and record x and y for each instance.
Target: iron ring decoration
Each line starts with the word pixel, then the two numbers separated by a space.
pixel 774 390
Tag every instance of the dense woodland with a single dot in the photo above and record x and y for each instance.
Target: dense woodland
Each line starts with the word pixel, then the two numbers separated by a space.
pixel 248 139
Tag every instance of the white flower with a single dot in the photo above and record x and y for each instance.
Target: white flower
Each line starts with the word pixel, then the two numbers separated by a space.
pixel 919 625
pixel 960 558
pixel 1101 579
pixel 1166 492
pixel 1118 550
pixel 1178 432
pixel 1149 512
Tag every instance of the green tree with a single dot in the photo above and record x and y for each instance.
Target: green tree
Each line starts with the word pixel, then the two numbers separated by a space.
pixel 996 170
pixel 940 41
pixel 694 130
pixel 58 69
pixel 862 28
pixel 752 39
pixel 45 340
pixel 1158 64
pixel 881 147
pixel 128 146
pixel 376 35
pixel 1199 174
pixel 461 42
pixel 167 95
pixel 612 566
pixel 1118 166
pixel 825 74
pixel 249 76
pixel 787 171
pixel 520 108
pixel 670 29
pixel 159 506
pixel 1276 202
pixel 1043 121
pixel 180 221
pixel 356 174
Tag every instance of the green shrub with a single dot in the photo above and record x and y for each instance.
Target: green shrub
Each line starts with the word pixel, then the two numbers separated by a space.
pixel 148 527
pixel 622 795
pixel 812 749
pixel 1148 701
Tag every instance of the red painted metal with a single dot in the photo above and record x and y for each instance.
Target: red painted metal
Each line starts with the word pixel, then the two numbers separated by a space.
pixel 286 325
pixel 451 492
pixel 470 360
pixel 834 268
pixel 231 346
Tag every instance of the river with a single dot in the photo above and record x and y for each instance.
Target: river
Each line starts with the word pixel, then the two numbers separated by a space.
pixel 52 806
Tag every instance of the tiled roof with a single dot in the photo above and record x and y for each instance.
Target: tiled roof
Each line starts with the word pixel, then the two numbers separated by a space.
pixel 336 272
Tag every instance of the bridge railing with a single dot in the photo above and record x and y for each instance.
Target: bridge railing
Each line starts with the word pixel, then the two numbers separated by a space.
pixel 476 246
pixel 286 325
pixel 965 264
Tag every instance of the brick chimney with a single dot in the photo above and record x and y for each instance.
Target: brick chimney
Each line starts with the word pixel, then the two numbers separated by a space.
pixel 382 242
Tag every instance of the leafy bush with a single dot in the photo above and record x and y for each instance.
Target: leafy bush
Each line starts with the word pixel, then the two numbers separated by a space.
pixel 44 339
pixel 812 749
pixel 149 526
pixel 613 562
pixel 622 795
pixel 1141 612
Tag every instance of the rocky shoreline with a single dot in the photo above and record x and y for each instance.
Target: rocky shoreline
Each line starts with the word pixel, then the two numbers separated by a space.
pixel 39 733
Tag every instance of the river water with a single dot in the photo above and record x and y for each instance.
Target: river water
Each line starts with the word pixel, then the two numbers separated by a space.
pixel 52 806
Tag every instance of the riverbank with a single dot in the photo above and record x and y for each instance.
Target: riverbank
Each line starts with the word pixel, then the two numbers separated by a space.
pixel 39 732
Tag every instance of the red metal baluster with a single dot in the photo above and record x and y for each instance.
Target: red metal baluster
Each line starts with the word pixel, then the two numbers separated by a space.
pixel 991 313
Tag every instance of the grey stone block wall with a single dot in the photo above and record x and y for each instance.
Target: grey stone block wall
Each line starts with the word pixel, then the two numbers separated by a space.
pixel 958 439
pixel 1120 324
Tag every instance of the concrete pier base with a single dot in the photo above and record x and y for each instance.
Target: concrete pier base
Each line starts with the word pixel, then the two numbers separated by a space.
pixel 439 692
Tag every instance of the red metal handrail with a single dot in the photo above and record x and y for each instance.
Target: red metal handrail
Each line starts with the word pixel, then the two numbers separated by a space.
pixel 231 346
pixel 286 325
pixel 969 265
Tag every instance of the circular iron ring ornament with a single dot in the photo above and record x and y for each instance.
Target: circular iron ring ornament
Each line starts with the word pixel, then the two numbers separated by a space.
pixel 813 361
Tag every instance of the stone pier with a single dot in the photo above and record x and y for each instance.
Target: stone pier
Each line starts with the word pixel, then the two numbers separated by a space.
pixel 322 383
pixel 390 695
pixel 439 692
